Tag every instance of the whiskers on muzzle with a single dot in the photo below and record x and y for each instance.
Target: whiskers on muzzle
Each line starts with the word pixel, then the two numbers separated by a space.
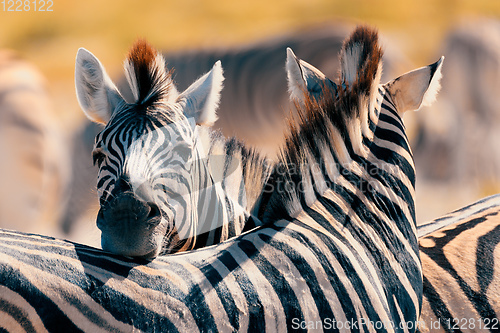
pixel 130 226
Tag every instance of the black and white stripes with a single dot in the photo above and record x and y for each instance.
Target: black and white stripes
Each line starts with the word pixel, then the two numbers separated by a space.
pixel 460 258
pixel 338 249
pixel 166 183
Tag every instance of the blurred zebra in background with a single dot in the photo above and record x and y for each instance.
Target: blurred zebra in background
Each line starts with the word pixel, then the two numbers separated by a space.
pixel 339 251
pixel 34 168
pixel 456 140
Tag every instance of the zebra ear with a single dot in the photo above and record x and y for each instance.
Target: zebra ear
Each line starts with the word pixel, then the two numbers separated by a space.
pixel 303 78
pixel 202 98
pixel 96 93
pixel 417 88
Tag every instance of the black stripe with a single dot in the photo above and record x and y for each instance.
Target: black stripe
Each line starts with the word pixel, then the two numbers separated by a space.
pixel 283 290
pixel 485 254
pixel 393 137
pixel 392 120
pixel 256 316
pixel 45 308
pixel 18 314
pixel 224 294
pixel 437 254
pixel 438 306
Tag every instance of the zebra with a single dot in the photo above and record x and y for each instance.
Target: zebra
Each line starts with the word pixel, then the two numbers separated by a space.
pixel 329 256
pixel 451 155
pixel 35 167
pixel 17 314
pixel 161 169
pixel 452 249
pixel 460 255
pixel 19 302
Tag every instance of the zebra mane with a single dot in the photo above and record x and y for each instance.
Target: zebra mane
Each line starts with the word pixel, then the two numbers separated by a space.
pixel 328 131
pixel 147 75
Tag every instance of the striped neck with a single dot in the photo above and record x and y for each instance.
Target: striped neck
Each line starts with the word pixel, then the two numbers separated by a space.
pixel 324 151
pixel 219 192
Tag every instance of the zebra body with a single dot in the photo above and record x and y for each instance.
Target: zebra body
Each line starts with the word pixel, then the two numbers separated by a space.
pixel 460 255
pixel 41 277
pixel 161 169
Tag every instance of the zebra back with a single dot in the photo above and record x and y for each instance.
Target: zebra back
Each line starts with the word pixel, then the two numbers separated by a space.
pixel 460 260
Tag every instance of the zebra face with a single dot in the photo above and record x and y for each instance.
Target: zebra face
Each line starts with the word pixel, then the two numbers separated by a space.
pixel 144 182
pixel 148 155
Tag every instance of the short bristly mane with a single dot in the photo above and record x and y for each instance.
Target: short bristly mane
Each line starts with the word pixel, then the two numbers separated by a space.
pixel 361 63
pixel 147 75
pixel 330 131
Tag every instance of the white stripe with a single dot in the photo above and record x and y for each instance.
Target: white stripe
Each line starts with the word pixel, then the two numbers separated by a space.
pixel 17 300
pixel 274 314
pixel 404 325
pixel 58 289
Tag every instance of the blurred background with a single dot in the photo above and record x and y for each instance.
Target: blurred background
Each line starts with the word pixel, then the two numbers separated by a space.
pixel 47 182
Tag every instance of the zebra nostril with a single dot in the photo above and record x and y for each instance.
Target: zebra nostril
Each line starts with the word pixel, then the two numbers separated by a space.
pixel 100 219
pixel 154 211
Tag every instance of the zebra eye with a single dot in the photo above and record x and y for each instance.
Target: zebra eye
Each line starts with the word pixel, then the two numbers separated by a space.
pixel 98 157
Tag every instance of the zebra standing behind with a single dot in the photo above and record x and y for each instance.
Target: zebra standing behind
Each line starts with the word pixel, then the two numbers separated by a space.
pixel 460 255
pixel 161 169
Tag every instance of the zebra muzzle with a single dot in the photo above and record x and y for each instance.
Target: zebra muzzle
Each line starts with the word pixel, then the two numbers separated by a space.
pixel 129 226
pixel 128 212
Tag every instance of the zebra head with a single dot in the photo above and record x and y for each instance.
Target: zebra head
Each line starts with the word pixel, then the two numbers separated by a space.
pixel 409 92
pixel 148 154
pixel 359 86
pixel 354 116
